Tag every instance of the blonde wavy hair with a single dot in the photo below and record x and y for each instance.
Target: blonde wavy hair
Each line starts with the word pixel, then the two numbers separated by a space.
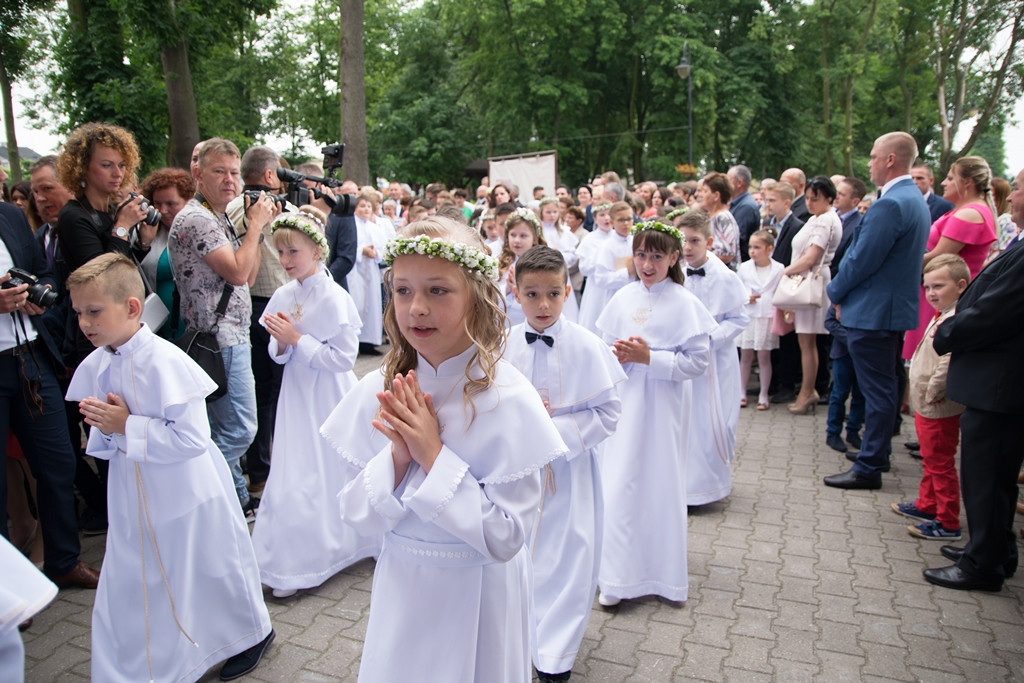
pixel 73 160
pixel 484 322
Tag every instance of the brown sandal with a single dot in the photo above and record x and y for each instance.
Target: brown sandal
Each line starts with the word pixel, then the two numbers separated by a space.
pixel 762 406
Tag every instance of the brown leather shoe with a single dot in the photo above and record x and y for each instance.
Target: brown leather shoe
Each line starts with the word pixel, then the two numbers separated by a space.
pixel 81 576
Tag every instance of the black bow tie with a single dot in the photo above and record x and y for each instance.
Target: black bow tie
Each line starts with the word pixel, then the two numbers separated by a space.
pixel 695 271
pixel 532 337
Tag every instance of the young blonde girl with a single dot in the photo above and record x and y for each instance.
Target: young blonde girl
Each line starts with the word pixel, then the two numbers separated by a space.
pixel 522 231
pixel 661 334
pixel 558 236
pixel 760 275
pixel 365 279
pixel 451 493
pixel 314 328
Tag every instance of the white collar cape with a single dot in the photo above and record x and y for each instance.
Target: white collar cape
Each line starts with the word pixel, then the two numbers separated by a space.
pixel 666 316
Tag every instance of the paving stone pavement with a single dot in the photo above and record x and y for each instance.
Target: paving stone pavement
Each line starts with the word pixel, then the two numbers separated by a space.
pixel 789 581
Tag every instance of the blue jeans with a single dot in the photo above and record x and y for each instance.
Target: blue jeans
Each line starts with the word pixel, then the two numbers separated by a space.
pixel 233 416
pixel 844 382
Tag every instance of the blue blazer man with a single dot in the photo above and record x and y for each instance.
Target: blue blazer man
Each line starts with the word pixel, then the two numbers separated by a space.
pixel 876 295
pixel 938 206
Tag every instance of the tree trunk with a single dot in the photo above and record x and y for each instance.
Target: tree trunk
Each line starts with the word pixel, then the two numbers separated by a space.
pixel 12 138
pixel 181 104
pixel 353 93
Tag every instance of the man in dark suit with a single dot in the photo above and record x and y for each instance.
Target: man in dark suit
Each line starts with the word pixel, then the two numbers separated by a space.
pixel 778 198
pixel 923 178
pixel 743 207
pixel 342 238
pixel 876 298
pixel 986 372
pixel 798 180
pixel 32 406
pixel 849 192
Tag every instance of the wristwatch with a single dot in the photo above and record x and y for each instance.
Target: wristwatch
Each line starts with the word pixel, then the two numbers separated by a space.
pixel 121 232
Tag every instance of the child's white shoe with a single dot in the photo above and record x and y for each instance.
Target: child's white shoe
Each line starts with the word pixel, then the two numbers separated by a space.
pixel 283 593
pixel 607 600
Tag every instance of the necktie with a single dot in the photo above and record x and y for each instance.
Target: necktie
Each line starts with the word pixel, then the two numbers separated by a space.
pixel 532 337
pixel 51 246
pixel 695 271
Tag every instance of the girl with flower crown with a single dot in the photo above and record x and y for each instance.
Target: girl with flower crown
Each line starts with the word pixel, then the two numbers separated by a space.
pixel 558 236
pixel 314 328
pixel 451 494
pixel 661 334
pixel 364 282
pixel 522 231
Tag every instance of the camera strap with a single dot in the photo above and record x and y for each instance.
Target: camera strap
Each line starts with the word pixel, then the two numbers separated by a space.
pixel 30 387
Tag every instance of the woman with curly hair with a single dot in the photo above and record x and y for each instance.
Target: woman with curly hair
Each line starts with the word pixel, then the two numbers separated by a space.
pixel 168 190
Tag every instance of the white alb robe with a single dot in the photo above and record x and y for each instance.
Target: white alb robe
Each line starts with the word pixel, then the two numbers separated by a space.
pixel 643 464
pixel 606 279
pixel 24 591
pixel 299 540
pixel 587 251
pixel 716 393
pixel 179 584
pixel 451 594
pixel 364 282
pixel 578 376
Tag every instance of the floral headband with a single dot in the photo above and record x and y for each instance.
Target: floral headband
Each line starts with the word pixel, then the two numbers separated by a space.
pixel 606 206
pixel 672 215
pixel 293 222
pixel 526 214
pixel 548 200
pixel 660 227
pixel 464 255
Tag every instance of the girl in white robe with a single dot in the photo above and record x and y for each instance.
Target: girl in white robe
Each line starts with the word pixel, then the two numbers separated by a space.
pixel 299 541
pixel 661 334
pixel 24 592
pixel 452 494
pixel 364 282
pixel 522 231
pixel 179 588
pixel 558 236
pixel 588 251
pixel 716 393
pixel 611 268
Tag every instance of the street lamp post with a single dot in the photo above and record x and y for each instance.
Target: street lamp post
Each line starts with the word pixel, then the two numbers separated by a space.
pixel 684 69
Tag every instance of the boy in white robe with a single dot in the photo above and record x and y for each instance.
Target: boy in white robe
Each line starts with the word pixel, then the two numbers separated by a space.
pixel 180 589
pixel 716 393
pixel 613 268
pixel 576 374
pixel 587 251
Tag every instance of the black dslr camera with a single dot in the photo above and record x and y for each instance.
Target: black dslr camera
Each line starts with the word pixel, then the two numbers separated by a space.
pixel 40 295
pixel 152 215
pixel 254 196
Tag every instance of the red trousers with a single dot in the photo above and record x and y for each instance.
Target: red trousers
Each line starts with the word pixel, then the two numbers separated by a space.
pixel 940 487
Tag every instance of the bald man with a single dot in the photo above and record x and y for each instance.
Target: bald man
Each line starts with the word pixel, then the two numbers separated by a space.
pixel 798 179
pixel 876 297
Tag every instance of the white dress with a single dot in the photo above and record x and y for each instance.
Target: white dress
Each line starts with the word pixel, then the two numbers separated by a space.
pixel 716 393
pixel 299 540
pixel 364 283
pixel 587 252
pixel 179 584
pixel 823 231
pixel 577 375
pixel 24 592
pixel 606 280
pixel 643 466
pixel 758 333
pixel 451 593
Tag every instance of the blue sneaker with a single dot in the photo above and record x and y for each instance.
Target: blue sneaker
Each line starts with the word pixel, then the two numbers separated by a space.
pixel 910 510
pixel 933 531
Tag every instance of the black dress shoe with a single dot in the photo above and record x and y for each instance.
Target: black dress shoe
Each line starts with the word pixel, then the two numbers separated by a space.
pixel 853 438
pixel 245 661
pixel 951 552
pixel 912 445
pixel 835 443
pixel 852 457
pixel 915 454
pixel 954 577
pixel 852 480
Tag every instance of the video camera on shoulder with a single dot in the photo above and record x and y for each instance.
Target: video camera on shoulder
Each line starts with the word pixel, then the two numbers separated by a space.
pixel 298 194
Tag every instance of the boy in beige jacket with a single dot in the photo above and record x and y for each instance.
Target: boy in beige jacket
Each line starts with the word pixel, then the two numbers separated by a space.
pixel 937 418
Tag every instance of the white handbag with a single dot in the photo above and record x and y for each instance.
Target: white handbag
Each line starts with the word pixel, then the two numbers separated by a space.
pixel 802 292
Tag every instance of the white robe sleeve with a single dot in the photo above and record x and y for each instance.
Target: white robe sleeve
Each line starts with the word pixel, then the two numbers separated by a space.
pixel 488 518
pixel 588 425
pixel 684 362
pixel 274 348
pixel 368 503
pixel 730 325
pixel 337 354
pixel 182 433
pixel 605 274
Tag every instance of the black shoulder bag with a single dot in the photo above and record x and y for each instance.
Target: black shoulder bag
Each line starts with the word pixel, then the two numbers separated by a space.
pixel 202 347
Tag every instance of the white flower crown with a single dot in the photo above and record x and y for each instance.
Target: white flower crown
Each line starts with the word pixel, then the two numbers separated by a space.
pixel 464 255
pixel 292 221
pixel 659 226
pixel 528 214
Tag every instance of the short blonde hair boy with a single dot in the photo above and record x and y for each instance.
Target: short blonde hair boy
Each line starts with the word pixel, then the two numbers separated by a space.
pixel 115 274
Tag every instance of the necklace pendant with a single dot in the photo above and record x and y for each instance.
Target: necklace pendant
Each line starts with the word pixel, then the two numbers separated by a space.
pixel 297 312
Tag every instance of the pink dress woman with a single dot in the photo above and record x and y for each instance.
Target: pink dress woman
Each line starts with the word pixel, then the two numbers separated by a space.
pixel 976 237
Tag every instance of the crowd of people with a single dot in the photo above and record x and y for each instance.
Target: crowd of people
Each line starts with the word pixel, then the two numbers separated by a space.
pixel 557 371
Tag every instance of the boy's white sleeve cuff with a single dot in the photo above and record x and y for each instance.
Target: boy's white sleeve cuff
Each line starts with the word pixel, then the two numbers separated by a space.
pixel 662 364
pixel 134 441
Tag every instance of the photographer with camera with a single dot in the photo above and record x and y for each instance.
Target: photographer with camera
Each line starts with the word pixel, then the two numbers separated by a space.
pixel 213 266
pixel 259 173
pixel 341 225
pixel 33 402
